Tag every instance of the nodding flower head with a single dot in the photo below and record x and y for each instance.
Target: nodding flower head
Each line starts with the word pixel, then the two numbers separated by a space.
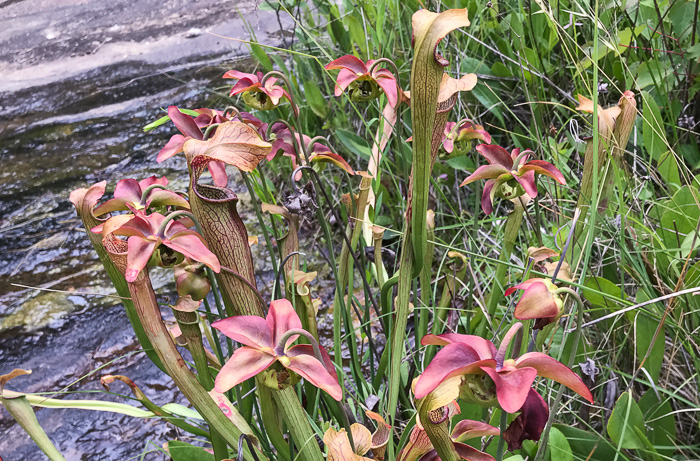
pixel 259 95
pixel 509 175
pixel 361 83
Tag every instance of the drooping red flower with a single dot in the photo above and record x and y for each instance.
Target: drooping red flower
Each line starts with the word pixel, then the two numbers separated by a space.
pixel 257 95
pixel 363 85
pixel 539 301
pixel 470 366
pixel 145 237
pixel 529 424
pixel 192 129
pixel 462 136
pixel 128 195
pixel 317 153
pixel 263 345
pixel 509 175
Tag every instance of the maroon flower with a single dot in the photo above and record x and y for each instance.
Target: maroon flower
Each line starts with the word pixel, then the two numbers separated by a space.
pixel 459 140
pixel 128 195
pixel 317 153
pixel 266 341
pixel 363 85
pixel 257 95
pixel 509 175
pixel 470 366
pixel 529 424
pixel 145 237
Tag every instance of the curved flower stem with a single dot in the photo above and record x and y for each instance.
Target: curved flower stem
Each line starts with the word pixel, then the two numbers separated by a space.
pixel 277 288
pixel 148 190
pixel 235 110
pixel 208 130
pixel 501 440
pixel 250 447
pixel 542 448
pixel 281 76
pixel 512 227
pixel 247 283
pixel 392 64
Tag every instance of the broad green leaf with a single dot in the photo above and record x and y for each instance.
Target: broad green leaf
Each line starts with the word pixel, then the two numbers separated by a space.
pixel 602 288
pixel 644 329
pixel 587 445
pixel 315 99
pixel 559 447
pixel 96 405
pixel 626 424
pixel 354 143
pixel 23 413
pixel 659 420
pixel 655 141
pixel 181 451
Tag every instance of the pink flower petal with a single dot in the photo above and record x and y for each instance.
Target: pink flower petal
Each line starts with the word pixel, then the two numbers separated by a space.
pixel 281 318
pixel 523 286
pixel 249 330
pixel 335 159
pixel 184 123
pixel 483 347
pixel 218 173
pixel 512 386
pixel 128 190
pixel 388 84
pixel 349 62
pixel 174 146
pixel 191 244
pixel 550 368
pixel 453 360
pixel 545 168
pixel 240 75
pixel 151 180
pixel 496 155
pixel 537 302
pixel 527 180
pixel 471 453
pixel 469 429
pixel 487 196
pixel 485 172
pixel 345 78
pixel 308 349
pixel 109 206
pixel 139 251
pixel 243 364
pixel 313 371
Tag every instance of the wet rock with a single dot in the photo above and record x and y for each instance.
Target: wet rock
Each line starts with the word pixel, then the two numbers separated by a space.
pixel 46 310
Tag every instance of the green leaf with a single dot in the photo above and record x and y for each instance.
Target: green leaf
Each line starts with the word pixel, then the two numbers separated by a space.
pixel 559 447
pixel 587 445
pixel 626 424
pixel 181 451
pixel 181 410
pixel 659 419
pixel 605 295
pixel 262 57
pixel 354 143
pixel 153 125
pixel 315 99
pixel 644 329
pixel 654 134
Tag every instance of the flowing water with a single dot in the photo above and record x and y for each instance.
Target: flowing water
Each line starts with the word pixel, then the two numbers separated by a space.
pixel 78 81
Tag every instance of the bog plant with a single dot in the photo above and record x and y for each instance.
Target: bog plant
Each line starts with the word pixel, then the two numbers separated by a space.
pixel 256 371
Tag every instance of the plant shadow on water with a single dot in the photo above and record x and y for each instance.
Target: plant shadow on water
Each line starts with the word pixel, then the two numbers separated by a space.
pixel 81 128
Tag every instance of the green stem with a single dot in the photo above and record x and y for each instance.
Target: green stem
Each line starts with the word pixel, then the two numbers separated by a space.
pixel 298 424
pixel 501 440
pixel 437 426
pixel 148 190
pixel 512 227
pixel 572 357
pixel 22 411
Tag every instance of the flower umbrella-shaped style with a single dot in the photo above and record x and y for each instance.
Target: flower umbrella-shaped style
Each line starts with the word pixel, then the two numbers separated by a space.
pixel 316 153
pixel 539 301
pixel 466 363
pixel 128 195
pixel 266 341
pixel 257 95
pixel 191 129
pixel 509 175
pixel 458 139
pixel 363 85
pixel 145 237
